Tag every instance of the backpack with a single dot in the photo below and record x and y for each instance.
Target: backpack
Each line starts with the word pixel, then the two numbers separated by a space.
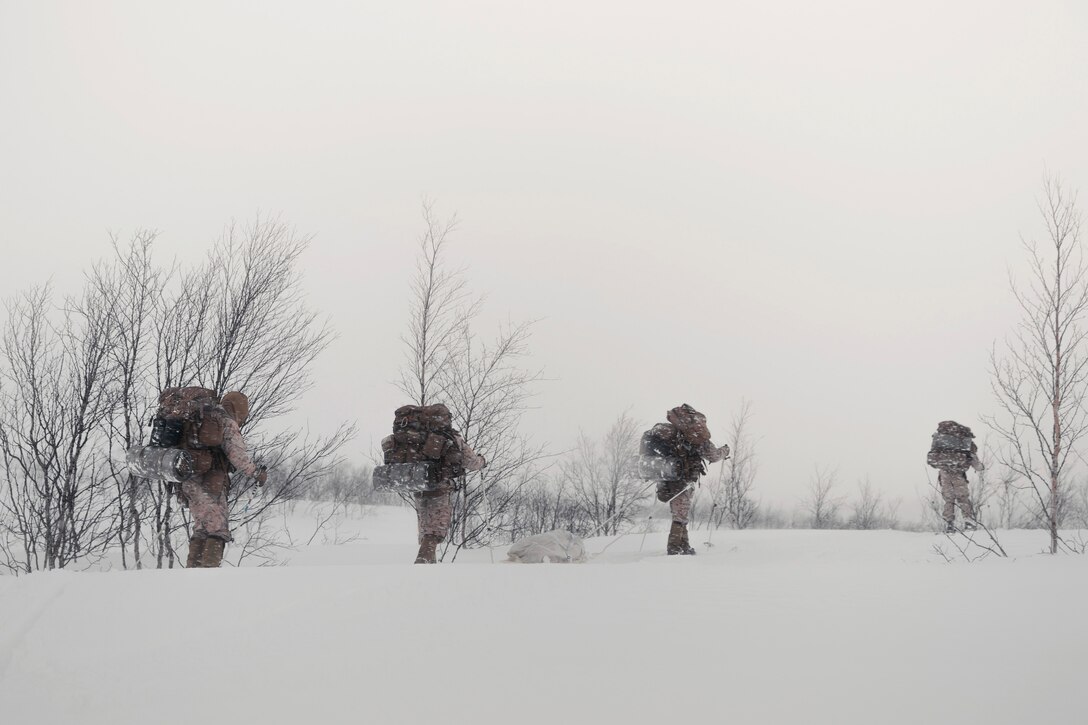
pixel 691 424
pixel 666 455
pixel 658 459
pixel 951 448
pixel 425 434
pixel 186 420
pixel 659 442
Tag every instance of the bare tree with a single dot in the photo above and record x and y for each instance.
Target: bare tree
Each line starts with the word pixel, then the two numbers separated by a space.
pixel 731 497
pixel 1078 508
pixel 240 321
pixel 183 311
pixel 262 339
pixel 57 505
pixel 866 507
pixel 439 315
pixel 545 505
pixel 131 283
pixel 484 385
pixel 601 479
pixel 822 504
pixel 1009 507
pixel 1041 379
pixel 489 391
pixel 994 485
pixel 83 388
pixel 871 511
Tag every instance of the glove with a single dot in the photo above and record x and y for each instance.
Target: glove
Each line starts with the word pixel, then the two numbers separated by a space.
pixel 261 476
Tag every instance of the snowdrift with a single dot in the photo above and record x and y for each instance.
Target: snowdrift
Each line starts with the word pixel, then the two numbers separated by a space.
pixel 764 627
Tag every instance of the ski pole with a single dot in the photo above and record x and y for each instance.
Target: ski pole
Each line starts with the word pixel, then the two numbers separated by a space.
pixel 710 524
pixel 650 518
pixel 645 532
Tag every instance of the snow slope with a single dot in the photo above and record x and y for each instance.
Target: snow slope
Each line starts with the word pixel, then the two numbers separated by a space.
pixel 764 627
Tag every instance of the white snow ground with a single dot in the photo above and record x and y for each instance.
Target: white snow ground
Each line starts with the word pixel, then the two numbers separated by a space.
pixel 764 627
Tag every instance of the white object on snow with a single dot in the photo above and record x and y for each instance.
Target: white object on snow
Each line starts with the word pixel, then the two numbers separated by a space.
pixel 556 546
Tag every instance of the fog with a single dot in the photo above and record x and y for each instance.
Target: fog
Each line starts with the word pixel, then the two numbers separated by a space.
pixel 813 206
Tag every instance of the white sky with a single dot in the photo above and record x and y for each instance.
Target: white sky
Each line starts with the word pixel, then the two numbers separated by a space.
pixel 810 205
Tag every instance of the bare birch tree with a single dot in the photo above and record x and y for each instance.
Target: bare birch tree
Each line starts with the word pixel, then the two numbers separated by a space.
pixel 262 339
pixel 58 503
pixel 483 384
pixel 489 391
pixel 731 499
pixel 822 504
pixel 1041 377
pixel 183 311
pixel 870 510
pixel 131 282
pixel 440 312
pixel 602 480
pixel 995 485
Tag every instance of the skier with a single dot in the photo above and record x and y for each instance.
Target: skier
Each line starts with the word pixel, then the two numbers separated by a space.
pixel 684 439
pixel 952 452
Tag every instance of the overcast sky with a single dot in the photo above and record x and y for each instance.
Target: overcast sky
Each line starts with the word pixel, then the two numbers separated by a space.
pixel 811 205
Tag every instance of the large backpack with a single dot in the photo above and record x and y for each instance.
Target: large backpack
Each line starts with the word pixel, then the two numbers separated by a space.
pixel 951 448
pixel 691 424
pixel 658 459
pixel 665 454
pixel 425 434
pixel 659 442
pixel 190 419
pixel 186 438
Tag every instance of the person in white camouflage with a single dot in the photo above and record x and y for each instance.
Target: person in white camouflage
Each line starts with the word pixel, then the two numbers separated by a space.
pixel 206 495
pixel 953 451
pixel 434 509
pixel 955 491
pixel 686 438
pixel 424 437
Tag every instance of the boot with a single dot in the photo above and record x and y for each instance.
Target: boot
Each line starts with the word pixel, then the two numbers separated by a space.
pixel 213 553
pixel 685 547
pixel 678 535
pixel 196 553
pixel 970 525
pixel 427 546
pixel 950 527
